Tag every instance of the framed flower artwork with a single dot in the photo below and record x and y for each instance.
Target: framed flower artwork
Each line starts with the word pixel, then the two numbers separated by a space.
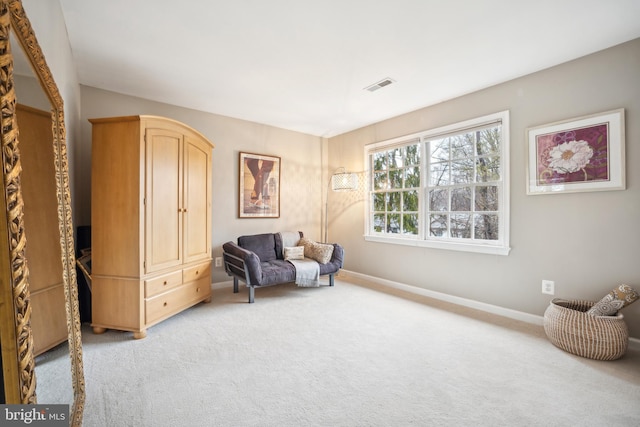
pixel 581 154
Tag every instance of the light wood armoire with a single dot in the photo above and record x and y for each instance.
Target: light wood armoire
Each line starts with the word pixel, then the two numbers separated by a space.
pixel 150 221
pixel 44 254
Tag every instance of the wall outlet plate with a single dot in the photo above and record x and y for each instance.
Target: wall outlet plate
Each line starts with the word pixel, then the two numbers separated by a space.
pixel 548 287
pixel 218 261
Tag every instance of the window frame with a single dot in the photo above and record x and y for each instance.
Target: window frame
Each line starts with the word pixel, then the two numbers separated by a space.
pixel 391 169
pixel 422 239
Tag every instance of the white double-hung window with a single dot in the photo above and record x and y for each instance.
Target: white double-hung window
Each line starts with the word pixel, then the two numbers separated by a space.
pixel 443 188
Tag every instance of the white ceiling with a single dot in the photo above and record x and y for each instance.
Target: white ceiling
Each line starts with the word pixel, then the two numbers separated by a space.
pixel 303 64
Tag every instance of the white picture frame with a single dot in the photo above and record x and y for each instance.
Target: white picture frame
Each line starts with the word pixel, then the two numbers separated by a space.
pixel 581 154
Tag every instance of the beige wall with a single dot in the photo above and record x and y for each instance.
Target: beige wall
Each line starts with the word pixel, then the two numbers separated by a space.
pixel 300 155
pixel 586 242
pixel 49 27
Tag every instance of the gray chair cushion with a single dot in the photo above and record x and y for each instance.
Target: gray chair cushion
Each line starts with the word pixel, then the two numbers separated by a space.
pixel 263 245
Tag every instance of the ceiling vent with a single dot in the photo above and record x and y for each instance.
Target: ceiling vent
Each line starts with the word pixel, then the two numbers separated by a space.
pixel 380 84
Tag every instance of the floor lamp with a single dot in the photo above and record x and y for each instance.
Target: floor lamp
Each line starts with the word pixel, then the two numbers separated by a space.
pixel 339 181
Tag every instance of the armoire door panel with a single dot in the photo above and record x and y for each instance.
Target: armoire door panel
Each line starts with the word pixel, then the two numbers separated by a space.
pixel 197 200
pixel 164 209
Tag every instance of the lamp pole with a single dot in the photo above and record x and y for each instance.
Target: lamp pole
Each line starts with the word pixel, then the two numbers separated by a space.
pixel 326 206
pixel 343 181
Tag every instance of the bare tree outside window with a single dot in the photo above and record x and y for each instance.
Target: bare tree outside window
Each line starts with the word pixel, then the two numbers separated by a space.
pixel 445 185
pixel 459 165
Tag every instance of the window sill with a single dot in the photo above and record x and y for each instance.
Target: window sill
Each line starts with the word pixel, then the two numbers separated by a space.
pixel 452 246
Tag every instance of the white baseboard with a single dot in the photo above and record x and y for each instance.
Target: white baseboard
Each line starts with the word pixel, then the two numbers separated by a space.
pixel 506 312
pixel 634 343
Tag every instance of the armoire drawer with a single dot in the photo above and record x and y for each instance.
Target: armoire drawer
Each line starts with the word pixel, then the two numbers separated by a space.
pixel 175 300
pixel 197 272
pixel 163 283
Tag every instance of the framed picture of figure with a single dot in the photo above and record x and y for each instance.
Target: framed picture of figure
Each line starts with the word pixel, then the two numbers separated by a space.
pixel 259 186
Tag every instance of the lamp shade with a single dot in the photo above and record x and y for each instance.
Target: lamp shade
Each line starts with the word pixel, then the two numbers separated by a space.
pixel 344 181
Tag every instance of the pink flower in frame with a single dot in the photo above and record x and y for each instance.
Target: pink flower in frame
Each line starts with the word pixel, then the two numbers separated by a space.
pixel 570 156
pixel 573 156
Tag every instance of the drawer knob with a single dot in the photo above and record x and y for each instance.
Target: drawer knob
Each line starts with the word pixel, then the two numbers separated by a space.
pixel 197 272
pixel 165 283
pixel 165 304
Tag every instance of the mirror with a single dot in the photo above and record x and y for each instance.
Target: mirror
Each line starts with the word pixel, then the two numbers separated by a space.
pixel 39 165
pixel 43 252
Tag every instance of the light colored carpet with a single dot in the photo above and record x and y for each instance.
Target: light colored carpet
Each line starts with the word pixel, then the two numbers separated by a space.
pixel 351 355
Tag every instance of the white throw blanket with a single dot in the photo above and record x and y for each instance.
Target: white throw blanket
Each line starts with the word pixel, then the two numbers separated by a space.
pixel 307 270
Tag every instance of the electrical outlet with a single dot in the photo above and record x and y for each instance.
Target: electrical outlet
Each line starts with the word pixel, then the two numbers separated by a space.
pixel 548 287
pixel 218 261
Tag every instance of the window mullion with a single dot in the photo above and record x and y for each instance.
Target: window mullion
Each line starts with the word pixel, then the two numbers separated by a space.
pixel 425 213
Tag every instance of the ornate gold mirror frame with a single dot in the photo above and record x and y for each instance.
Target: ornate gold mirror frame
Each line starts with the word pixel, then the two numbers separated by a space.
pixel 18 361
